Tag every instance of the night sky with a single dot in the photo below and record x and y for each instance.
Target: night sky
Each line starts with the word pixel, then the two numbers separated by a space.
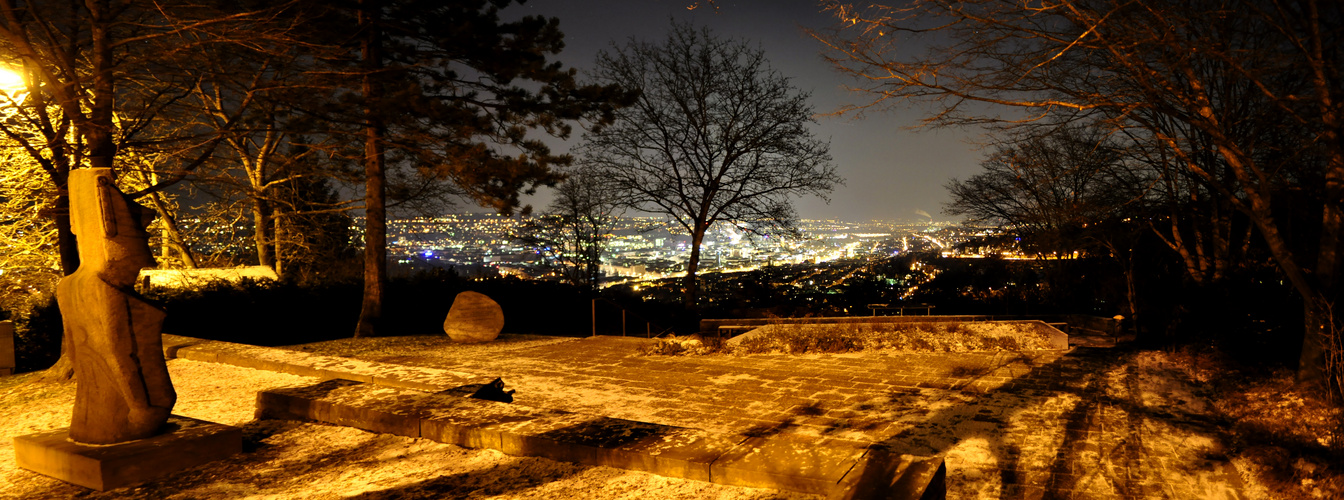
pixel 890 172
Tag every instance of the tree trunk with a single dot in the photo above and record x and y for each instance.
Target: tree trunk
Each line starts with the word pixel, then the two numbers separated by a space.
pixel 279 238
pixel 375 215
pixel 97 132
pixel 261 234
pixel 690 284
pixel 172 237
pixel 1320 328
pixel 1132 293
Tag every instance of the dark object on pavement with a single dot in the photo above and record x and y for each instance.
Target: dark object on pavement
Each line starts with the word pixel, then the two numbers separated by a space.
pixel 493 391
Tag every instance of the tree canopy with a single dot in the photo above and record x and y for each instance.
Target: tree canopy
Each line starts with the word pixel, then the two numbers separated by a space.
pixel 717 135
pixel 279 99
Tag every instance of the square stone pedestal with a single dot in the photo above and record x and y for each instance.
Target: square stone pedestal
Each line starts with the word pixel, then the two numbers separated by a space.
pixel 187 443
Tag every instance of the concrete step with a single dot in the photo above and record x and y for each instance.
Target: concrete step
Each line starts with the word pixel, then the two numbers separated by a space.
pixel 314 365
pixel 841 472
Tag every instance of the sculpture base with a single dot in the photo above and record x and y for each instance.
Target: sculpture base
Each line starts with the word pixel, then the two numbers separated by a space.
pixel 187 443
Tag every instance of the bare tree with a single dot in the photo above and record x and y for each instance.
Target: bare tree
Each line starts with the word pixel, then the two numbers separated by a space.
pixel 247 94
pixel 573 231
pixel 96 87
pixel 1071 189
pixel 1204 229
pixel 1229 70
pixel 717 135
pixel 29 263
pixel 457 105
pixel 1048 188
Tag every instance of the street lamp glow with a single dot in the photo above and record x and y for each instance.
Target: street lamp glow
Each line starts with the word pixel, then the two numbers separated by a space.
pixel 11 82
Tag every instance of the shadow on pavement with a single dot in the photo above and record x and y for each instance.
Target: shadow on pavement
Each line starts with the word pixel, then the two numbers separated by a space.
pixel 1089 424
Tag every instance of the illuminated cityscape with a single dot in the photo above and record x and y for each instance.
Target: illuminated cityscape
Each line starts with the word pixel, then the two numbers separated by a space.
pixel 647 248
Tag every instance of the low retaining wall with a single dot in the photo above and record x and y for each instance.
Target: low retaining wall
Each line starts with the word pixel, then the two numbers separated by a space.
pixel 1058 339
pixel 1072 324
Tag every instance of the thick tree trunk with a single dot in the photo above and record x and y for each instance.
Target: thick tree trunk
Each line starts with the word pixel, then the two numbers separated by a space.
pixel 66 243
pixel 375 215
pixel 1321 331
pixel 691 283
pixel 68 246
pixel 97 133
pixel 1316 288
pixel 261 234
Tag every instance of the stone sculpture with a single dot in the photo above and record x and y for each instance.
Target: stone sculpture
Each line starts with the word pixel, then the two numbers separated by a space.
pixel 123 392
pixel 474 317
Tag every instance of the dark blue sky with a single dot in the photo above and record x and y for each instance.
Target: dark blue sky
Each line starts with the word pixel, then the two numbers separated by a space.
pixel 890 171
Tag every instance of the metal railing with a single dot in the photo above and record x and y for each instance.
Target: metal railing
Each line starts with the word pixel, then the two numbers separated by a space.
pixel 626 316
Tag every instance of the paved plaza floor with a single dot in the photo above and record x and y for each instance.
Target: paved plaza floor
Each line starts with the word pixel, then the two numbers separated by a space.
pixel 1084 423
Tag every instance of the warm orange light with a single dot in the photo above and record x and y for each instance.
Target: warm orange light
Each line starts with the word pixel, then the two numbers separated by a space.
pixel 11 82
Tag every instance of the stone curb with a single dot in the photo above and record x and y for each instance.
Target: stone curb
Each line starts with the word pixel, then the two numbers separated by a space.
pixel 839 472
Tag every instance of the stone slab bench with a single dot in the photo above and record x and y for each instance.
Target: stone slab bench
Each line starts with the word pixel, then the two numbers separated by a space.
pixel 314 365
pixel 838 472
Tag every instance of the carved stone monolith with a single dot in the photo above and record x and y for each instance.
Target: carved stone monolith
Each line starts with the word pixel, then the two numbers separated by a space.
pixel 123 392
pixel 474 317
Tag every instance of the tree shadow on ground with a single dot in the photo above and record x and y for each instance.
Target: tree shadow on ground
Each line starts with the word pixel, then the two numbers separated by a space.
pixel 1087 423
pixel 1075 426
pixel 793 419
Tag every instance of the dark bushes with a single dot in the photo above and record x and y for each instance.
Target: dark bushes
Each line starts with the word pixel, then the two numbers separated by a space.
pixel 37 337
pixel 270 313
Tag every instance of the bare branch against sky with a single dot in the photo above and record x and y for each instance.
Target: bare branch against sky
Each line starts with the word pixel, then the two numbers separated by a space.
pixel 892 172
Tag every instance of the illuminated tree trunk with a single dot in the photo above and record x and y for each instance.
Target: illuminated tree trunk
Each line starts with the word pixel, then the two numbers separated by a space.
pixel 262 232
pixel 172 236
pixel 279 242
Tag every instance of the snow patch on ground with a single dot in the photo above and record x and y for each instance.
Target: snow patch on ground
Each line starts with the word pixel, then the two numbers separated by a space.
pixel 293 460
pixel 732 378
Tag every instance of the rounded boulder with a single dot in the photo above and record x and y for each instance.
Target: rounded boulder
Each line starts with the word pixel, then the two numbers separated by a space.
pixel 474 317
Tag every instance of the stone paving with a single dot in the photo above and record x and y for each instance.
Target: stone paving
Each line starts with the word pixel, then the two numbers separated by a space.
pixel 1082 423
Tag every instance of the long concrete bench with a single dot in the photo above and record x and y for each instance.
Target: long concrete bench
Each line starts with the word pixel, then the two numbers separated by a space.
pixel 838 472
